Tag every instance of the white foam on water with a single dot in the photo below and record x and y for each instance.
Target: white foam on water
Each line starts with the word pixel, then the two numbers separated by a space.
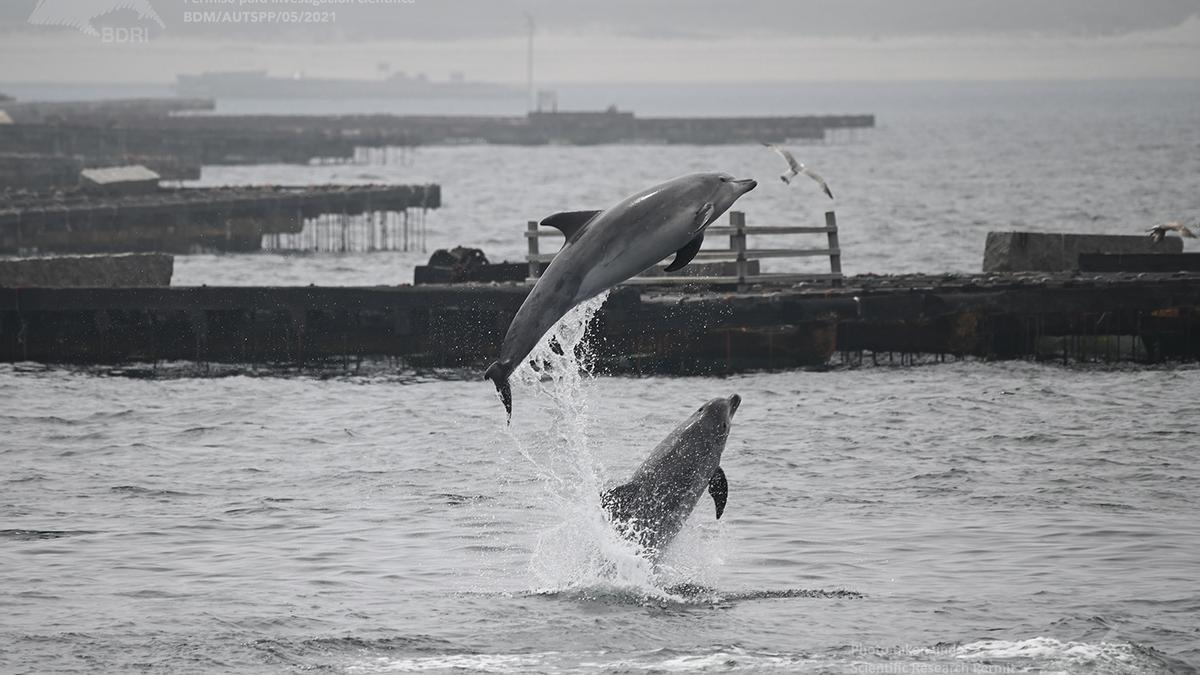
pixel 725 661
pixel 474 663
pixel 1051 655
pixel 732 660
pixel 581 550
pixel 696 554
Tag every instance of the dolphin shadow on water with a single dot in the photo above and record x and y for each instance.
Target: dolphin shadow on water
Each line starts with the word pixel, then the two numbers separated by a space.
pixel 604 248
pixel 653 506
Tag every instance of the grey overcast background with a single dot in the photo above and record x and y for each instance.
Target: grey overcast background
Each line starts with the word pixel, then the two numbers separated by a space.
pixel 624 40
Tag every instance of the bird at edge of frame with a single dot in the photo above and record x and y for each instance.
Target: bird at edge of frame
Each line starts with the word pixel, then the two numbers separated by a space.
pixel 1159 232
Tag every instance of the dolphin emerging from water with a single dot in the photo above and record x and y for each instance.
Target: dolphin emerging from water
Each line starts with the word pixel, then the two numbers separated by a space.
pixel 604 248
pixel 653 506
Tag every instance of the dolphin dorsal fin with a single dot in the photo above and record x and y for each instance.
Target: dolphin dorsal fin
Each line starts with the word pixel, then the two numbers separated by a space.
pixel 684 255
pixel 718 487
pixel 569 222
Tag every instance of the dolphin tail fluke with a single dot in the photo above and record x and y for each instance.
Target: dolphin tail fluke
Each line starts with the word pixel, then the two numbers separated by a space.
pixel 498 374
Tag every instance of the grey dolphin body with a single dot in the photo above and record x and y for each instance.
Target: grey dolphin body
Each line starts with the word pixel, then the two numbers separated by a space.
pixel 653 506
pixel 604 248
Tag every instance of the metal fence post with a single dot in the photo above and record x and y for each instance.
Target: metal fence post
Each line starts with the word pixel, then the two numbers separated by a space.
pixel 835 251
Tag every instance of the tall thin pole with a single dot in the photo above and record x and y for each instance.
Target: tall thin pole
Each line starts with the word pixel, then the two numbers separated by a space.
pixel 529 59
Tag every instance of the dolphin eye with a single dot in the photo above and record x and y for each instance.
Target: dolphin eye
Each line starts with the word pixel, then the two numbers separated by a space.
pixel 724 179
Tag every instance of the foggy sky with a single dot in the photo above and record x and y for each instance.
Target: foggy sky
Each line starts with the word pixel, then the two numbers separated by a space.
pixel 469 19
pixel 634 40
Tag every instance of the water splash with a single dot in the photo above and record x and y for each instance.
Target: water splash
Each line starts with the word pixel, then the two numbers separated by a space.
pixel 580 550
pixel 564 362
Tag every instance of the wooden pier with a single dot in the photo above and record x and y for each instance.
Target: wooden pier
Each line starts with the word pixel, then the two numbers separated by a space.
pixel 218 219
pixel 640 329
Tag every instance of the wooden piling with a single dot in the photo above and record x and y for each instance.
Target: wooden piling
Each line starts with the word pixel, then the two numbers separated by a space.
pixel 835 250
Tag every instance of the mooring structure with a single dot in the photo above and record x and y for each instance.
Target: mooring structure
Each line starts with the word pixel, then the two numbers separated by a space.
pixel 187 220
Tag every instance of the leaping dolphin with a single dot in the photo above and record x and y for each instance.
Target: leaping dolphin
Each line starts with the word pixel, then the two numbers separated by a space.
pixel 653 506
pixel 604 248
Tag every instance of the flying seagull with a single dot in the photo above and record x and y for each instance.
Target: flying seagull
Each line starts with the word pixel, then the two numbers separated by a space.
pixel 795 167
pixel 1158 232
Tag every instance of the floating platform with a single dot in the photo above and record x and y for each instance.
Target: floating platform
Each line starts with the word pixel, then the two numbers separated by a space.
pixel 640 329
pixel 187 220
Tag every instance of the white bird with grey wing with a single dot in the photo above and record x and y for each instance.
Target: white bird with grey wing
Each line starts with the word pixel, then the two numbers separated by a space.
pixel 795 167
pixel 1159 232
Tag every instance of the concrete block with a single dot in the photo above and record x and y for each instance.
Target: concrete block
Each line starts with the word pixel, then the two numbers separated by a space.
pixel 119 179
pixel 1050 252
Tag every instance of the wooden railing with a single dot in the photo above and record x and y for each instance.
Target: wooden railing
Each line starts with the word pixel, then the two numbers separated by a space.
pixel 738 253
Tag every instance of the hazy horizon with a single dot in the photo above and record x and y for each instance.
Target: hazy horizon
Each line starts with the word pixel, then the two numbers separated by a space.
pixel 618 42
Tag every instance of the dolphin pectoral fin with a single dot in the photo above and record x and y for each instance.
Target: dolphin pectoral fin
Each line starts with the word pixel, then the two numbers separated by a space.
pixel 684 255
pixel 704 215
pixel 569 222
pixel 618 500
pixel 498 374
pixel 718 487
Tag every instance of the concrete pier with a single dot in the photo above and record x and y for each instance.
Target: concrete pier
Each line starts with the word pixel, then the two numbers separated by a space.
pixel 258 139
pixel 103 112
pixel 131 270
pixel 185 220
pixel 1116 317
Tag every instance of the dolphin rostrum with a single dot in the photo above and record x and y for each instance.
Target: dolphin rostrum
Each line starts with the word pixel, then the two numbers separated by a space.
pixel 604 248
pixel 653 506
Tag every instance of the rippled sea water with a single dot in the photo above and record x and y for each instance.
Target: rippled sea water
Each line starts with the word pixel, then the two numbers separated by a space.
pixel 975 515
pixel 959 517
